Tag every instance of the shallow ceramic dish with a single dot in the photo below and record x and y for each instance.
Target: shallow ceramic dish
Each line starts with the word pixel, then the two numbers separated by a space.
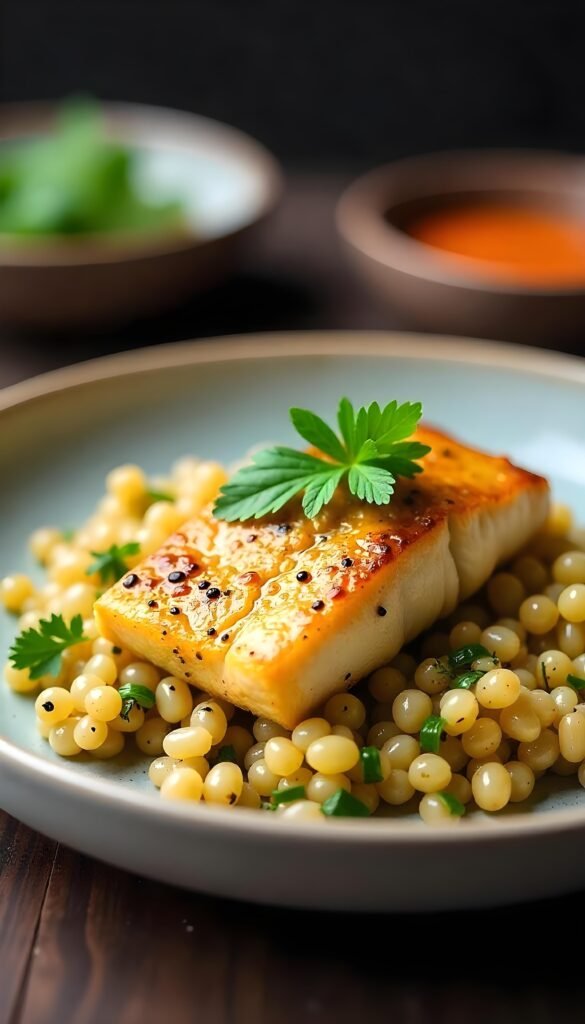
pixel 68 428
pixel 226 181
pixel 439 294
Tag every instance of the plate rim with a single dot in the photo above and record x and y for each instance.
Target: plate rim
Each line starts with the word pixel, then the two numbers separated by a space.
pixel 33 769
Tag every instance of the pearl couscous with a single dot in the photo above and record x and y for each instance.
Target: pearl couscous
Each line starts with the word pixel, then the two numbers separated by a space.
pixel 472 714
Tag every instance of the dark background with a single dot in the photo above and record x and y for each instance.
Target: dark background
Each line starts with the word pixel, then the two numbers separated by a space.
pixel 334 83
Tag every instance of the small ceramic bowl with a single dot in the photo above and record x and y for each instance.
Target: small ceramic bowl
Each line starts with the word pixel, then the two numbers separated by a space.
pixel 226 181
pixel 427 290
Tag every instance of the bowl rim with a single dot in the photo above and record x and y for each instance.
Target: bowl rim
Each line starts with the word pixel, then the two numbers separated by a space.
pixel 55 778
pixel 168 124
pixel 360 220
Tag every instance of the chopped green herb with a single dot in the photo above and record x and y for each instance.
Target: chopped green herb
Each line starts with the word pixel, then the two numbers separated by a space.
pixel 464 656
pixel 286 796
pixel 159 496
pixel 132 694
pixel 40 649
pixel 430 734
pixel 453 805
pixel 466 680
pixel 68 534
pixel 343 805
pixel 226 753
pixel 371 453
pixel 370 758
pixel 576 682
pixel 110 564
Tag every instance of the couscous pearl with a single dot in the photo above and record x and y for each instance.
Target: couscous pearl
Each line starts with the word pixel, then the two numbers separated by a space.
pixel 223 784
pixel 281 756
pixel 302 810
pixel 410 709
pixel 471 613
pixel 451 749
pixel 386 683
pixel 174 700
pixel 563 768
pixel 459 709
pixel 522 780
pixel 579 666
pixel 301 777
pixel 429 773
pixel 42 541
pixel 501 641
pixel 459 787
pixel 132 723
pixel 498 689
pixel 559 520
pixel 538 614
pixel 571 603
pixel 565 700
pixel 515 625
pixel 78 599
pixel 553 667
pixel 210 716
pixel 397 789
pixel 62 738
pixel 240 739
pixel 542 752
pixel 81 686
pixel 332 754
pixel 182 784
pixel 435 811
pixel 482 739
pixel 194 741
pixel 571 638
pixel 527 680
pixel 19 679
pixel 531 572
pixel 572 736
pixel 569 567
pixel 54 704
pixel 150 736
pixel 380 732
pixel 103 703
pixel 104 666
pixel 140 673
pixel 401 751
pixel 462 634
pixel 431 676
pixel 127 483
pixel 554 591
pixel 343 730
pixel 162 515
pixel 491 786
pixel 14 591
pixel 254 753
pixel 308 731
pixel 70 567
pixel 89 733
pixel 160 768
pixel 505 593
pixel 264 729
pixel 249 797
pixel 544 706
pixel 345 709
pixel 200 764
pixel 261 778
pixel 405 663
pixel 321 787
pixel 368 794
pixel 520 721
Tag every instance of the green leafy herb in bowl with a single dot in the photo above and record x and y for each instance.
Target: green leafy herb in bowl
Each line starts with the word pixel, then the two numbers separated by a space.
pixel 76 181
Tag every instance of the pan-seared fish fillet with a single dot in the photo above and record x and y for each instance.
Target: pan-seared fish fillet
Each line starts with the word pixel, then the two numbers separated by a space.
pixel 276 615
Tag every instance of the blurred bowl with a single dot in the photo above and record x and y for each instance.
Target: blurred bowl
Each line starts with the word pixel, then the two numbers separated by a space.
pixel 227 181
pixel 439 294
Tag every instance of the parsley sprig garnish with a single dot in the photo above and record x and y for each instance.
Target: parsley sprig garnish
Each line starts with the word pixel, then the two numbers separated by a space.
pixel 110 564
pixel 370 453
pixel 40 650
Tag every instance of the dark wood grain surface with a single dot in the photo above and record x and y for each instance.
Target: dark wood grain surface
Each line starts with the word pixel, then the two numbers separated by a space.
pixel 83 943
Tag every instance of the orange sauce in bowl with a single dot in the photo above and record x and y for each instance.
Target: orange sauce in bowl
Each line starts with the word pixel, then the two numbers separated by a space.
pixel 519 244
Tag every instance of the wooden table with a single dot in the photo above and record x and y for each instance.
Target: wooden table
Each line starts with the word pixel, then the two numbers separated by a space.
pixel 83 943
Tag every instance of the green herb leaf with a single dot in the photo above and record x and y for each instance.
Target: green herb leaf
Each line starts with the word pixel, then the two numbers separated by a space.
pixel 370 758
pixel 466 655
pixel 40 649
pixel 430 734
pixel 466 680
pixel 576 682
pixel 343 805
pixel 453 805
pixel 226 753
pixel 132 694
pixel 159 496
pixel 110 564
pixel 68 534
pixel 371 453
pixel 287 796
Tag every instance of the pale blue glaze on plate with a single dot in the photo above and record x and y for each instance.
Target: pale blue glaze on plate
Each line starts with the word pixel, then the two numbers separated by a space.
pixel 60 436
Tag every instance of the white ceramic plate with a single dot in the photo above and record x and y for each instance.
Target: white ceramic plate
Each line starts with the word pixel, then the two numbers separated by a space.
pixel 61 433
